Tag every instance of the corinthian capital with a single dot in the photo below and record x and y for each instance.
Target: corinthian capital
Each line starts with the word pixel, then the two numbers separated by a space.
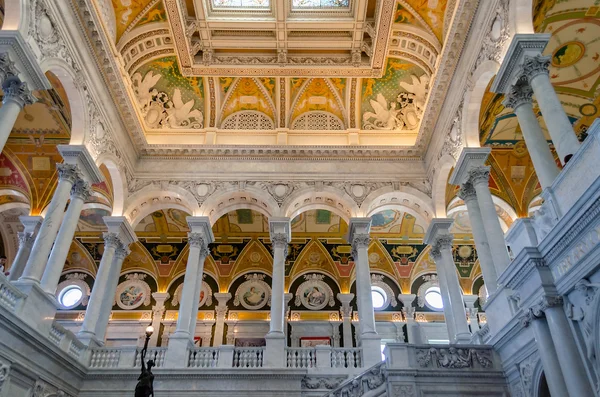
pixel 443 241
pixel 279 240
pixel 68 172
pixel 519 94
pixel 122 251
pixel 81 189
pixel 25 238
pixel 360 241
pixel 467 192
pixel 18 92
pixel 535 65
pixel 196 240
pixel 480 174
pixel 111 240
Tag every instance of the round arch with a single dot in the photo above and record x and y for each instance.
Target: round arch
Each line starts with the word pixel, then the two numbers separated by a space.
pixel 440 185
pixel 329 199
pixel 473 99
pixel 153 198
pixel 406 199
pixel 254 199
pixel 333 277
pixel 15 15
pixel 77 100
pixel 240 275
pixel 118 180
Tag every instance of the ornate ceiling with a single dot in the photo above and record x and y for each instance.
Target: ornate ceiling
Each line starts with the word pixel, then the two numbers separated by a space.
pixel 286 72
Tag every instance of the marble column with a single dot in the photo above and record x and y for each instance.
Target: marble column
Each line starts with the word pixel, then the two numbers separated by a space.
pixel 413 330
pixel 346 313
pixel 547 352
pixel 370 341
pixel 116 242
pixel 114 274
pixel 472 311
pixel 221 314
pixel 440 238
pixel 199 237
pixel 479 178
pixel 158 311
pixel 535 68
pixel 16 96
pixel 519 99
pixel 280 235
pixel 26 239
pixel 468 195
pixel 34 269
pixel 80 192
pixel 570 361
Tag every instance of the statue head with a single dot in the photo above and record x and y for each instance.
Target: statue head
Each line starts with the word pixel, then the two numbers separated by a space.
pixel 150 364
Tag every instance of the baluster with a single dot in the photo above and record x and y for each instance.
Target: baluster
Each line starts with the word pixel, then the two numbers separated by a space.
pixel 351 360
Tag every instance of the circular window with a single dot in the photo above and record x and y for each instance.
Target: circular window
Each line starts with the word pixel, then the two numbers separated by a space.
pixel 379 297
pixel 433 298
pixel 70 296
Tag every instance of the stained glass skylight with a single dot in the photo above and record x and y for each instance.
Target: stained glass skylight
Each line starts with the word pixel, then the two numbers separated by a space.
pixel 320 3
pixel 241 3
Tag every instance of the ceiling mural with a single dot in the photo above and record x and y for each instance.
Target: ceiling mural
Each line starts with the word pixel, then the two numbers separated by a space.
pixel 245 94
pixel 319 95
pixel 432 13
pixel 166 99
pixel 397 100
pixel 127 11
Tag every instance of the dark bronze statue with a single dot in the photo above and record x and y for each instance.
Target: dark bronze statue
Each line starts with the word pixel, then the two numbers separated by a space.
pixel 145 385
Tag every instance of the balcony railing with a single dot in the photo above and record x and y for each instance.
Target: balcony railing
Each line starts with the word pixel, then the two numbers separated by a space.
pixel 301 357
pixel 346 358
pixel 248 357
pixel 10 296
pixel 157 354
pixel 203 357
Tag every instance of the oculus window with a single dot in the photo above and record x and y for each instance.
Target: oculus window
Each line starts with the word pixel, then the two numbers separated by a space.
pixel 379 297
pixel 70 296
pixel 433 298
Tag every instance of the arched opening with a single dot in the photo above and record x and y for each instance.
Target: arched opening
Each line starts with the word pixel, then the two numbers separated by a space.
pixel 543 390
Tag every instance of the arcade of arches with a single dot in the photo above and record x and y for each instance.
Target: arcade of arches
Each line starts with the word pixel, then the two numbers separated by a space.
pixel 295 185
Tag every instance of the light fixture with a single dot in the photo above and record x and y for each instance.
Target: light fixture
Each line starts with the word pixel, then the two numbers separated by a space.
pixel 149 330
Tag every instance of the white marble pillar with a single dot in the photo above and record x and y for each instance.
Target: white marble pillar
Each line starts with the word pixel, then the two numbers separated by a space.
pixel 479 178
pixel 535 68
pixel 370 341
pixel 116 241
pixel 34 269
pixel 413 330
pixel 570 362
pixel 472 311
pixel 440 238
pixel 519 99
pixel 280 235
pixel 221 313
pixel 346 313
pixel 89 328
pixel 80 192
pixel 26 239
pixel 199 237
pixel 113 282
pixel 547 352
pixel 468 195
pixel 16 96
pixel 158 311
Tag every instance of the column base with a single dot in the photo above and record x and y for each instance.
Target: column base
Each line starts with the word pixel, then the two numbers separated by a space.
pixel 371 349
pixel 38 309
pixel 275 352
pixel 177 350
